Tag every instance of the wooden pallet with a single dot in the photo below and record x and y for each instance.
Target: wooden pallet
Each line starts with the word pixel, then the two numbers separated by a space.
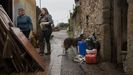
pixel 16 52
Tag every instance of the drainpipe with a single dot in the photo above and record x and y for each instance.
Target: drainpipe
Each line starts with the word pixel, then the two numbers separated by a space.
pixel 40 3
pixel 13 13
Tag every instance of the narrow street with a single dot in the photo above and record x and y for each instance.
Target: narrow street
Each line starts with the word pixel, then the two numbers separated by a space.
pixel 53 62
pixel 100 31
pixel 57 64
pixel 57 51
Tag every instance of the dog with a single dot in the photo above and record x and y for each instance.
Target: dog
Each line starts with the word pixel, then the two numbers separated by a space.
pixel 72 42
pixel 34 39
pixel 68 42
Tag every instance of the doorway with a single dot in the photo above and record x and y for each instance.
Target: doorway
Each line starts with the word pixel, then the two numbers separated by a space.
pixel 118 30
pixel 7 5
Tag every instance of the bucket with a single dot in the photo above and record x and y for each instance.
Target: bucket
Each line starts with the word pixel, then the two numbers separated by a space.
pixel 82 47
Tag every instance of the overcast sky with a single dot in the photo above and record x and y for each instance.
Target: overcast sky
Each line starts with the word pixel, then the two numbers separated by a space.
pixel 59 9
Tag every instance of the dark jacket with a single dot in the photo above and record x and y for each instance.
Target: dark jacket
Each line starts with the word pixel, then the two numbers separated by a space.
pixel 24 23
pixel 46 18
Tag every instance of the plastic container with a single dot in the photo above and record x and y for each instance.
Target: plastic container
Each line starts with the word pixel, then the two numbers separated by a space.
pixel 94 51
pixel 82 47
pixel 91 58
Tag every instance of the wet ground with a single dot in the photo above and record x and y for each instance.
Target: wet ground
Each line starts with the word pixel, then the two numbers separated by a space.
pixel 57 64
pixel 64 65
pixel 54 62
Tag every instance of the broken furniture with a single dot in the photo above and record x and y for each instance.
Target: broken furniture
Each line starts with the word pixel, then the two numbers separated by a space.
pixel 16 52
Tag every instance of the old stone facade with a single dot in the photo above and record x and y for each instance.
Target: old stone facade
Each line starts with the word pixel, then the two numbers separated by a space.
pixel 93 17
pixel 89 18
pixel 111 20
pixel 11 7
pixel 75 22
pixel 130 37
pixel 30 9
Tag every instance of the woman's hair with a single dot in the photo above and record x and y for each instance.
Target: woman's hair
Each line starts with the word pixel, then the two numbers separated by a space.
pixel 45 9
pixel 21 9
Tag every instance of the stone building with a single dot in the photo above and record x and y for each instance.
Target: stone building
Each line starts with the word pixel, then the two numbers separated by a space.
pixel 130 38
pixel 112 22
pixel 75 22
pixel 11 7
pixel 88 18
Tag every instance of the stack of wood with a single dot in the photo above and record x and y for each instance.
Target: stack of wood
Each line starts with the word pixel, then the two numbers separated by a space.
pixel 16 52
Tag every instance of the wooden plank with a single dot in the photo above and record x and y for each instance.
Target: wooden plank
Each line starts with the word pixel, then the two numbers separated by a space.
pixel 5 46
pixel 15 33
pixel 2 41
pixel 28 47
pixel 1 35
pixel 5 18
pixel 16 51
pixel 15 66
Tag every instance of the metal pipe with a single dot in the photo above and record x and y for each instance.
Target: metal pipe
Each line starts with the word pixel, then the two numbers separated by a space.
pixel 40 3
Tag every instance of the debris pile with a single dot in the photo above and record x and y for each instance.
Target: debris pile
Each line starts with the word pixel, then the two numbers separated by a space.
pixel 16 52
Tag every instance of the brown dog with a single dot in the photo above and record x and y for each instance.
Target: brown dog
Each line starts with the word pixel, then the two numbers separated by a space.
pixel 34 38
pixel 68 42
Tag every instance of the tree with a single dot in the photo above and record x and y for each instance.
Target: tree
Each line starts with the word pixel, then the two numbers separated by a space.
pixel 62 25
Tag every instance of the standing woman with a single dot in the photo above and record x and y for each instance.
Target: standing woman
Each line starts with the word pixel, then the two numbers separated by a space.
pixel 45 21
pixel 24 22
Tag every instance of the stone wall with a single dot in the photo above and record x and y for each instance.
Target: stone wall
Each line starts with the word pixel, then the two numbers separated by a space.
pixel 75 22
pixel 95 17
pixel 107 18
pixel 30 10
pixel 130 38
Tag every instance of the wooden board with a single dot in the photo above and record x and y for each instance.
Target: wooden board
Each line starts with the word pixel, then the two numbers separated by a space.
pixel 5 18
pixel 8 27
pixel 28 47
